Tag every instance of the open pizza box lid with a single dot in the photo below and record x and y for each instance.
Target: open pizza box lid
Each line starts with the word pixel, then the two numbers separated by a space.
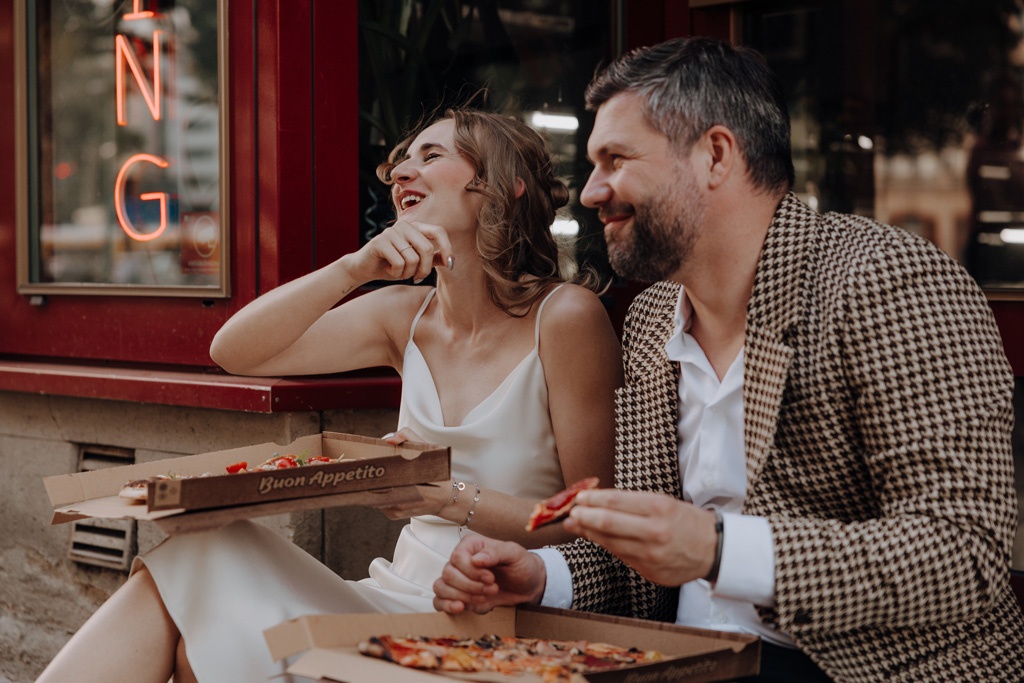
pixel 324 647
pixel 372 473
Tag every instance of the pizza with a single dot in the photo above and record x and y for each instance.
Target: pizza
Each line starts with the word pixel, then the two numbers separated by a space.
pixel 137 490
pixel 557 506
pixel 554 661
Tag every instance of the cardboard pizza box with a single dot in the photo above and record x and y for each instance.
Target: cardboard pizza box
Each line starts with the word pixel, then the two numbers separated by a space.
pixel 324 647
pixel 372 473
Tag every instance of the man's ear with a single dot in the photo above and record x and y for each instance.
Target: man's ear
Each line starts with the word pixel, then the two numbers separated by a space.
pixel 520 187
pixel 723 154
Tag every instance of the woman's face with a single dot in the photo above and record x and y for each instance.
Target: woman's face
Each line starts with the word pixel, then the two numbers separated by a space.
pixel 430 184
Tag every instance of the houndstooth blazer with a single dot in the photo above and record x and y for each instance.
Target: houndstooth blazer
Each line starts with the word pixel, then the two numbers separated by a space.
pixel 877 403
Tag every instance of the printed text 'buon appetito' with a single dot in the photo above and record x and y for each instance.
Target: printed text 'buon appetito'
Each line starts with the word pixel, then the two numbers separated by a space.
pixel 321 478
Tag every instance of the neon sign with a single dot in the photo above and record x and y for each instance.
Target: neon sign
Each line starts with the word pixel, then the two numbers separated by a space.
pixel 126 59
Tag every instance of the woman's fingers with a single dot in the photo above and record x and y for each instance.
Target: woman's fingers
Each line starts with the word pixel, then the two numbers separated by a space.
pixel 422 246
pixel 401 436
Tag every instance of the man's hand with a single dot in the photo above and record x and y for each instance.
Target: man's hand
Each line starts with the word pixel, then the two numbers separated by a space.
pixel 483 574
pixel 668 541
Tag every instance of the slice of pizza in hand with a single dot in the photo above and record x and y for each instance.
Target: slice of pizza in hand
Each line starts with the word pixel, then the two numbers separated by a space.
pixel 557 506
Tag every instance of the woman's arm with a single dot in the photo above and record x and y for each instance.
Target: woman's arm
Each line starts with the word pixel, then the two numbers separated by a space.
pixel 295 329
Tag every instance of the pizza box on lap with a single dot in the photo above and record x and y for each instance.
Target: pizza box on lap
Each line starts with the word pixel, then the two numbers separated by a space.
pixel 325 647
pixel 200 492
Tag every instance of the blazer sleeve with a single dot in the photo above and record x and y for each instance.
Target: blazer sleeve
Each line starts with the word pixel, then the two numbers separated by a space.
pixel 927 394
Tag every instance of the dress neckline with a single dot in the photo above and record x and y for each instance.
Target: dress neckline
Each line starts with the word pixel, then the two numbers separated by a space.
pixel 470 416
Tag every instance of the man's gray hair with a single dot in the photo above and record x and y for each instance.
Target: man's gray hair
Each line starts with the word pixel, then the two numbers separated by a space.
pixel 688 85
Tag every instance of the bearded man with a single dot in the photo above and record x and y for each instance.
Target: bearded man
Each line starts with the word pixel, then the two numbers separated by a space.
pixel 813 440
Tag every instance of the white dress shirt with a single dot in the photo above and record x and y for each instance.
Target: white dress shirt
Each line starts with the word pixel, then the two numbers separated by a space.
pixel 712 462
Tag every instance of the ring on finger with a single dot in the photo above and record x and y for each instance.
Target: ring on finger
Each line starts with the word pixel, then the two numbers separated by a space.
pixel 408 246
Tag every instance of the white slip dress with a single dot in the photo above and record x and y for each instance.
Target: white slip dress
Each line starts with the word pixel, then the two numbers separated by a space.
pixel 225 586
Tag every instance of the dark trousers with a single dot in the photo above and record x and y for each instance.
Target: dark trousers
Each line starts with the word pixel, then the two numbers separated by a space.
pixel 786 665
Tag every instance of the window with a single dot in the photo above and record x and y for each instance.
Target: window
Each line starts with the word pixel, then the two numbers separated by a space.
pixel 121 140
pixel 912 114
pixel 534 57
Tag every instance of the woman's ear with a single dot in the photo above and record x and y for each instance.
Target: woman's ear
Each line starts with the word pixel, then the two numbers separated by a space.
pixel 520 187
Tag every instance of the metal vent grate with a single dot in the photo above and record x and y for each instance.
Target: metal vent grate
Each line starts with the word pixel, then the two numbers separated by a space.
pixel 99 457
pixel 103 542
pixel 109 543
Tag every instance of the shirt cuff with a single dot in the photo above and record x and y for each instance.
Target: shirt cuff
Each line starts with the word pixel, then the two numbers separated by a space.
pixel 558 588
pixel 747 571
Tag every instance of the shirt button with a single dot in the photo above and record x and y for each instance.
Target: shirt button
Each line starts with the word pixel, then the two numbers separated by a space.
pixel 708 480
pixel 723 619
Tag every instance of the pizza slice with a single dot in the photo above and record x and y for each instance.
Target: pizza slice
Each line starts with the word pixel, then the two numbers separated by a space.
pixel 557 506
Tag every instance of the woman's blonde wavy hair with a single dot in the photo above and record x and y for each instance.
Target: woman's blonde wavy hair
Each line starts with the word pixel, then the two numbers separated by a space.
pixel 520 255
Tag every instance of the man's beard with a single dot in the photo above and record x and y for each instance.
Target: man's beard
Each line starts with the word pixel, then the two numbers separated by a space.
pixel 662 236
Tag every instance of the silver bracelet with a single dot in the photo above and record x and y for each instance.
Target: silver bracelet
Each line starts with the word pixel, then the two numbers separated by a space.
pixel 454 497
pixel 472 509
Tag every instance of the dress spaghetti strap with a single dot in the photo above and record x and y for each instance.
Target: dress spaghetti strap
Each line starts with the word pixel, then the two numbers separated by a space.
pixel 419 313
pixel 540 309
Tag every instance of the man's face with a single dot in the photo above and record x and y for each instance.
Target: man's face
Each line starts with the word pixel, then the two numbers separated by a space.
pixel 647 195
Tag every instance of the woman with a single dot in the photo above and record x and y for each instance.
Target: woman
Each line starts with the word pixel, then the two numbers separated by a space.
pixel 501 361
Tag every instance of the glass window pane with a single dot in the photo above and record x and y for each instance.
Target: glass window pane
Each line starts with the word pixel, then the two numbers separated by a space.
pixel 911 114
pixel 534 57
pixel 124 145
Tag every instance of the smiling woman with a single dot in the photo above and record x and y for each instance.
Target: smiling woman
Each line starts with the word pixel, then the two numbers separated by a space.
pixel 504 361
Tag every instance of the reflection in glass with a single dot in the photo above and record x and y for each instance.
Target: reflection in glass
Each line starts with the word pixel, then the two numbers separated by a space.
pixel 124 143
pixel 534 57
pixel 995 176
pixel 908 113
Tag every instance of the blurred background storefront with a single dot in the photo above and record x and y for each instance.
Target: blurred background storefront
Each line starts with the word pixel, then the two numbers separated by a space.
pixel 164 162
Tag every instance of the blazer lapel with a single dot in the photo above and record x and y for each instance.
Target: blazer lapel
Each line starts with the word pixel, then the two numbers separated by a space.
pixel 774 308
pixel 648 405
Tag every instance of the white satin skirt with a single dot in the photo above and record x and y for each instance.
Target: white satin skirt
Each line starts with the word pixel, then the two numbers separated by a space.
pixel 224 587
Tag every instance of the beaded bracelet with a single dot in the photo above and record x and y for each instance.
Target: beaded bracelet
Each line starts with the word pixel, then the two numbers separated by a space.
pixel 472 509
pixel 720 541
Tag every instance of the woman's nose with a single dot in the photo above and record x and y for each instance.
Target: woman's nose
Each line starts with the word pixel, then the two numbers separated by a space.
pixel 403 172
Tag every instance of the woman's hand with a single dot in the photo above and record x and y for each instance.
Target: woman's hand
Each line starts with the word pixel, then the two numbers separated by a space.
pixel 405 250
pixel 435 495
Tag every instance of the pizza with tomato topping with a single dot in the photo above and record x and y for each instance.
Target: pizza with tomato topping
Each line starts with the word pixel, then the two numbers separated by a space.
pixel 137 490
pixel 555 661
pixel 557 506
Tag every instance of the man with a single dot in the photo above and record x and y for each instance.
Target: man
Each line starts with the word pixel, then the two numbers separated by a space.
pixel 814 435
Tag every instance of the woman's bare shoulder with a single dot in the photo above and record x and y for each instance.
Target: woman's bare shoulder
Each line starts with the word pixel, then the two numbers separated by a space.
pixel 572 305
pixel 391 307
